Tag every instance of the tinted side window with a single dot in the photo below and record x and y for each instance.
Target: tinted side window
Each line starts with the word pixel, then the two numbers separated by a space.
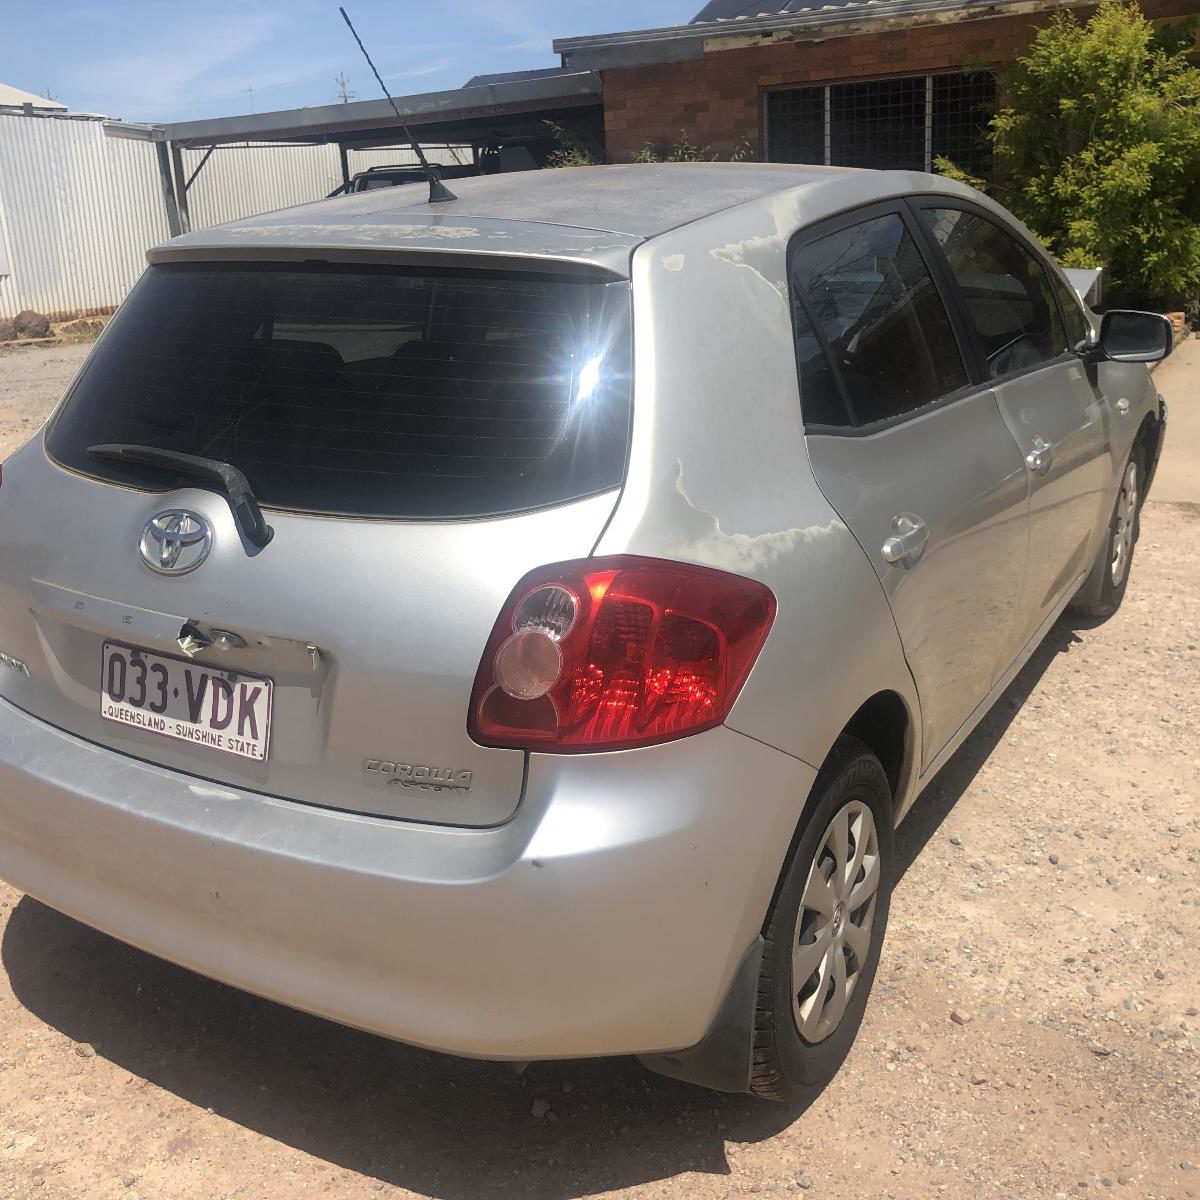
pixel 868 291
pixel 1005 289
pixel 1079 328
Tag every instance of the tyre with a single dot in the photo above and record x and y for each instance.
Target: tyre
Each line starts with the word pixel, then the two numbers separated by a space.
pixel 825 928
pixel 1104 590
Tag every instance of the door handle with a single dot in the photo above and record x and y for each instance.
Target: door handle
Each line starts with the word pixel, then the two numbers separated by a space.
pixel 907 542
pixel 1038 460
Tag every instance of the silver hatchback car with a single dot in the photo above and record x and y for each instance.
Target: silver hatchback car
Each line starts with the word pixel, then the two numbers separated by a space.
pixel 516 625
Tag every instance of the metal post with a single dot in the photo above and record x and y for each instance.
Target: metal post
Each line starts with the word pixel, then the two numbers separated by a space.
pixel 185 220
pixel 199 167
pixel 928 123
pixel 168 189
pixel 828 127
pixel 344 159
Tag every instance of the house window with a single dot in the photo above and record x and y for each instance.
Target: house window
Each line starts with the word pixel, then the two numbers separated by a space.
pixel 897 124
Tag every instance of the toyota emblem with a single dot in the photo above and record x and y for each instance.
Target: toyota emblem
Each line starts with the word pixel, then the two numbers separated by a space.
pixel 175 541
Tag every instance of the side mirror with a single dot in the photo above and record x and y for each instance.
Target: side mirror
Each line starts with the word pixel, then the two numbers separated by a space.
pixel 1135 337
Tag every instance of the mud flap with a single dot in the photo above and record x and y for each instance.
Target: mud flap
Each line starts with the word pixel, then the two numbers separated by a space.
pixel 723 1059
pixel 1091 591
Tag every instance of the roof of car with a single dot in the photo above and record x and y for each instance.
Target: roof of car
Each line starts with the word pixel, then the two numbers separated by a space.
pixel 586 214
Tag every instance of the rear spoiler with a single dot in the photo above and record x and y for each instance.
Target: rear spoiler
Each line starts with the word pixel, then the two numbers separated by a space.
pixel 1087 283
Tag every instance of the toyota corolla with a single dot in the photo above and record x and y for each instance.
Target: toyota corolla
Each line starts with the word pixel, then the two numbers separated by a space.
pixel 516 624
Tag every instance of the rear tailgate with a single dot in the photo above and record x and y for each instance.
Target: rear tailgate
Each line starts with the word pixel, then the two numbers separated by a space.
pixel 335 665
pixel 371 635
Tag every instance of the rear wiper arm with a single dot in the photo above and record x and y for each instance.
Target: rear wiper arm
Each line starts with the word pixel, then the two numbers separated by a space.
pixel 229 480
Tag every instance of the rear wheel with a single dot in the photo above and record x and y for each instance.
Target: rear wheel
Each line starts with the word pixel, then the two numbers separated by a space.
pixel 1111 570
pixel 825 929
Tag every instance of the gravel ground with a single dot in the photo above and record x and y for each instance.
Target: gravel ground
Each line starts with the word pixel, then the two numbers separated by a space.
pixel 31 381
pixel 1034 1031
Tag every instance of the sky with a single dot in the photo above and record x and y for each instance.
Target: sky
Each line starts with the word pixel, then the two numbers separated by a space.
pixel 170 60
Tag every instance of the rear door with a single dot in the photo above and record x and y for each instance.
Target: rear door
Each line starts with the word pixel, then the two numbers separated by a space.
pixel 912 452
pixel 418 438
pixel 1058 419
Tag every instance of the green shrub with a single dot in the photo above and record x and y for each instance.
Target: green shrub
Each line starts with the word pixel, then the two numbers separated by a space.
pixel 683 149
pixel 572 150
pixel 1098 151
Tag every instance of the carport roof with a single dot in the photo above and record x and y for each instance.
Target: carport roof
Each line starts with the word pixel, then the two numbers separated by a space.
pixel 437 114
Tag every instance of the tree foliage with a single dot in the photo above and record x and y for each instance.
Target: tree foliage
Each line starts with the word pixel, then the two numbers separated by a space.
pixel 1098 150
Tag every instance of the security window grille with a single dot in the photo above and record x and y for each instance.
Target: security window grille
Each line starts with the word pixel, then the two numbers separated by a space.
pixel 901 124
pixel 796 125
pixel 878 124
pixel 959 111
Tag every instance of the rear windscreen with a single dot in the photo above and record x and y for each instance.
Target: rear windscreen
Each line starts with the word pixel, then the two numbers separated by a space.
pixel 364 391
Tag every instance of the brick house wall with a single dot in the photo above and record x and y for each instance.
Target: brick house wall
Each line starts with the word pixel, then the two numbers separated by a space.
pixel 717 99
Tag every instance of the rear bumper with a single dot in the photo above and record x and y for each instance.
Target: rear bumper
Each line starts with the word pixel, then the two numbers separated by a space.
pixel 608 917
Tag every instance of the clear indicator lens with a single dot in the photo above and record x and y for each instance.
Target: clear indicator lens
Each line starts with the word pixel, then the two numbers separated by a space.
pixel 528 665
pixel 550 609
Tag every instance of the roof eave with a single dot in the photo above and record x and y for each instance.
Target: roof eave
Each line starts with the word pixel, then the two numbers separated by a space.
pixel 678 43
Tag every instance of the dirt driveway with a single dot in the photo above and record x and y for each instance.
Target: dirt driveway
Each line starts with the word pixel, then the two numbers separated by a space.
pixel 1034 1031
pixel 31 382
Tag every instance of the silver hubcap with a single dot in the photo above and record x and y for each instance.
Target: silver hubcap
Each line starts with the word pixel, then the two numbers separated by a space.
pixel 837 914
pixel 1122 540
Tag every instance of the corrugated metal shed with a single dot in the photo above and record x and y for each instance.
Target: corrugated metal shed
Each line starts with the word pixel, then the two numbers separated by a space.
pixel 79 209
pixel 77 213
pixel 242 180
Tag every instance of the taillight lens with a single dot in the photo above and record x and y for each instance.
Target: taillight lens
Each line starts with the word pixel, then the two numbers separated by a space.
pixel 608 653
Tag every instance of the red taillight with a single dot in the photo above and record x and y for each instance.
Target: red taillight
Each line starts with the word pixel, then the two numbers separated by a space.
pixel 608 653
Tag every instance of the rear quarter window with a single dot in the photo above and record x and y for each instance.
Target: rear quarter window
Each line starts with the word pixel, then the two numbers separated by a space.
pixel 365 391
pixel 865 293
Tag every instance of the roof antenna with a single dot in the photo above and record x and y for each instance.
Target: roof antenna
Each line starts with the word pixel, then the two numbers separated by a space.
pixel 439 193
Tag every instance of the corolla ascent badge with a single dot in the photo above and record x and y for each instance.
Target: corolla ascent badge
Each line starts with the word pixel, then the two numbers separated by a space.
pixel 175 541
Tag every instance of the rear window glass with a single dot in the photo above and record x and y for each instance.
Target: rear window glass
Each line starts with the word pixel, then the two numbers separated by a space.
pixel 364 391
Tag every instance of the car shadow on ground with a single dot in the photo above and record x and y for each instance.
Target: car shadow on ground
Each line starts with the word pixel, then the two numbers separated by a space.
pixel 946 788
pixel 439 1126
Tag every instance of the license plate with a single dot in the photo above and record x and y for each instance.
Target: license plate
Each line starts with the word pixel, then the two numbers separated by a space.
pixel 224 711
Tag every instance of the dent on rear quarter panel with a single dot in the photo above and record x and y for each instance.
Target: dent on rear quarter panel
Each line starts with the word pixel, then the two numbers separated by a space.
pixel 719 474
